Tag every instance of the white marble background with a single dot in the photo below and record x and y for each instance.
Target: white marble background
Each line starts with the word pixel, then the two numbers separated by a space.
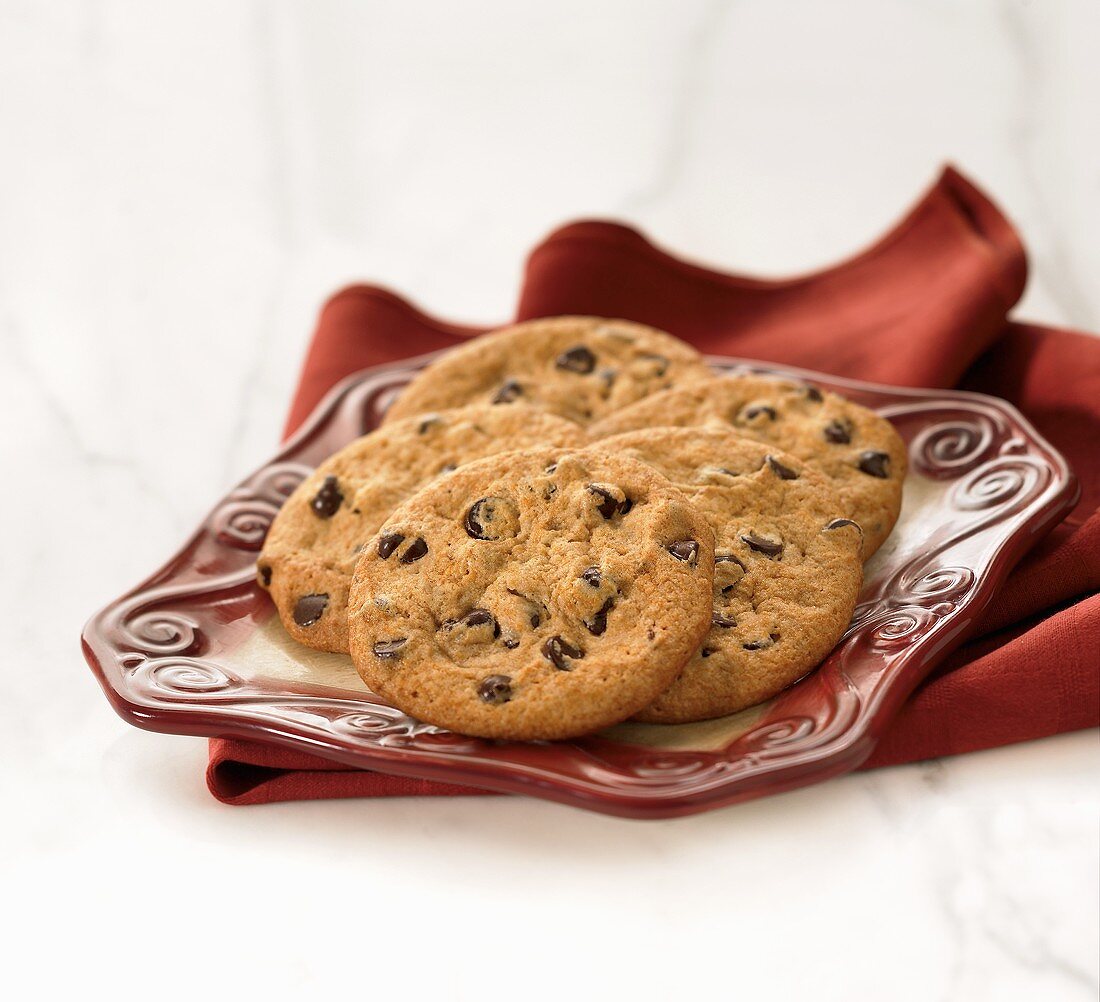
pixel 180 186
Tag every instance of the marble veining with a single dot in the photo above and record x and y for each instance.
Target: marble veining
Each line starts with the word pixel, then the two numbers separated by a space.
pixel 181 185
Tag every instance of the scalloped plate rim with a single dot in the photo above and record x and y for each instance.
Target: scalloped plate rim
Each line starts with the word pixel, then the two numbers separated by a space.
pixel 837 756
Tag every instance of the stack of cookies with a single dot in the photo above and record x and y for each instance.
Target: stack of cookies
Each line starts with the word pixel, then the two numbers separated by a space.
pixel 573 522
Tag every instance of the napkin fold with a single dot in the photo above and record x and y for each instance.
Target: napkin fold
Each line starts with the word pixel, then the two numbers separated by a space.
pixel 926 305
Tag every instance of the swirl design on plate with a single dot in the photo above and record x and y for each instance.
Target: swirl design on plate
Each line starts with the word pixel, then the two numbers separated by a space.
pixel 915 600
pixel 898 628
pixel 782 732
pixel 244 524
pixel 998 482
pixel 953 447
pixel 183 678
pixel 378 720
pixel 243 519
pixel 657 773
pixel 947 584
pixel 907 615
pixel 143 632
pixel 160 632
pixel 667 767
pixel 389 727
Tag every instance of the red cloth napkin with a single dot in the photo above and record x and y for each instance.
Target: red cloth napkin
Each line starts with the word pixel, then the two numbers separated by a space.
pixel 925 306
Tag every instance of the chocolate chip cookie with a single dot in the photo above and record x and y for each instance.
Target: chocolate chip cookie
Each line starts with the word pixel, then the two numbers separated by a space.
pixel 858 450
pixel 312 547
pixel 541 594
pixel 579 367
pixel 787 566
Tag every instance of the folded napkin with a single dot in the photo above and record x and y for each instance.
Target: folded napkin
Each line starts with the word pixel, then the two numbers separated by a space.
pixel 925 306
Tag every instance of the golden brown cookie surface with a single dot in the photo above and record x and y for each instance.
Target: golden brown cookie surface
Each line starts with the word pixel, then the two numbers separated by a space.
pixel 787 567
pixel 856 448
pixel 535 595
pixel 581 368
pixel 313 545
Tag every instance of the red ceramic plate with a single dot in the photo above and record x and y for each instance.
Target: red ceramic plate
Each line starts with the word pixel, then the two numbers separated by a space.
pixel 196 649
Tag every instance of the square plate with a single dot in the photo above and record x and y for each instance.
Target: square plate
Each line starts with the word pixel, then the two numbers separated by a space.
pixel 197 648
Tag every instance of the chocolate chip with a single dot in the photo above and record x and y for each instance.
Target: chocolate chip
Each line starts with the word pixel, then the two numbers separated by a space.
pixel 706 652
pixel 838 432
pixel 482 617
pixel 728 572
pixel 447 468
pixel 662 362
pixel 781 471
pixel 814 394
pixel 487 518
pixel 764 642
pixel 495 689
pixel 578 359
pixel 428 422
pixel 591 575
pixel 760 544
pixel 387 650
pixel 551 468
pixel 309 609
pixel 875 464
pixel 718 619
pixel 328 499
pixel 558 652
pixel 755 412
pixel 598 623
pixel 607 378
pixel 511 643
pixel 609 504
pixel 265 574
pixel 686 550
pixel 414 551
pixel 839 523
pixel 509 390
pixel 388 543
pixel 535 620
pixel 480 512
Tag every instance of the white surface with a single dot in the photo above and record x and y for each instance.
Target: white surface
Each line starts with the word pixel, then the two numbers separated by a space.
pixel 182 184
